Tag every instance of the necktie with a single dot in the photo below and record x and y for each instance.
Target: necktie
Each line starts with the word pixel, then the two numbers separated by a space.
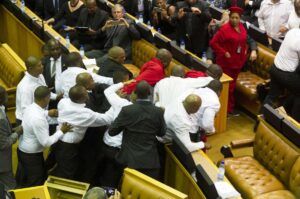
pixel 53 71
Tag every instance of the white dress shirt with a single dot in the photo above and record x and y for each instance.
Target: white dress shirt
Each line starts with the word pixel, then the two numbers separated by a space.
pixel 68 79
pixel 294 20
pixel 58 70
pixel 35 136
pixel 272 16
pixel 287 58
pixel 169 89
pixel 80 118
pixel 25 92
pixel 117 103
pixel 180 123
pixel 210 106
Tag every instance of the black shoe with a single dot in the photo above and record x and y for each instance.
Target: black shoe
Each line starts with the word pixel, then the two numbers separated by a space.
pixel 234 113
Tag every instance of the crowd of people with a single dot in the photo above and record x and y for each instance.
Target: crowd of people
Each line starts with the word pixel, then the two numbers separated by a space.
pixel 96 124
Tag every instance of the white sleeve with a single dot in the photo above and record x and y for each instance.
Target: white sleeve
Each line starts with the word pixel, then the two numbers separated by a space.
pixel 101 79
pixel 112 97
pixel 41 131
pixel 197 82
pixel 156 94
pixel 53 96
pixel 261 19
pixel 208 119
pixel 182 132
pixel 102 119
pixel 26 99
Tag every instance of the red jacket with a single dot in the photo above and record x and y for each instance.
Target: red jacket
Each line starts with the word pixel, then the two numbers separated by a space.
pixel 195 74
pixel 152 72
pixel 227 39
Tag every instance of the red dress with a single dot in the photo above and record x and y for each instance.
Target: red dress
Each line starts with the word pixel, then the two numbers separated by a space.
pixel 152 72
pixel 227 39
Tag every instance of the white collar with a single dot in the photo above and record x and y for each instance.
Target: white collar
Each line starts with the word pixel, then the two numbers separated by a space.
pixel 36 79
pixel 58 59
pixel 76 104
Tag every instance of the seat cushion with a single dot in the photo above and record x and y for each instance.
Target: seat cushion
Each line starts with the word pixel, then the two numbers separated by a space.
pixel 133 69
pixel 281 194
pixel 249 177
pixel 246 84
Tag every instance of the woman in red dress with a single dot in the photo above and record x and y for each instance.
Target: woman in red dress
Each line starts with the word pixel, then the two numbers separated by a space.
pixel 230 47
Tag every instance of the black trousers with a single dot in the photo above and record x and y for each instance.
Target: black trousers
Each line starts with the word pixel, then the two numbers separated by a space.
pixel 31 169
pixel 281 80
pixel 66 155
pixel 112 171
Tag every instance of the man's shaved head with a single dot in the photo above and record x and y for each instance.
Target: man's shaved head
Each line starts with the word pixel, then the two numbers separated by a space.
pixel 34 66
pixel 214 71
pixel 142 90
pixel 164 56
pixel 178 71
pixel 117 53
pixel 78 94
pixel 86 80
pixel 192 103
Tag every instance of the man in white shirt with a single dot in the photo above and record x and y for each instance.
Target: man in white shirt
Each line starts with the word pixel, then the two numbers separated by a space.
pixel 75 67
pixel 205 116
pixel 31 168
pixel 179 122
pixel 285 70
pixel 25 90
pixel 272 15
pixel 170 88
pixel 112 144
pixel 73 111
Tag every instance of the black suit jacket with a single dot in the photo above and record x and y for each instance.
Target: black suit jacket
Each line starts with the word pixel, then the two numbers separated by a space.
pixel 47 10
pixel 97 100
pixel 131 6
pixel 47 70
pixel 97 21
pixel 141 123
pixel 109 66
pixel 192 26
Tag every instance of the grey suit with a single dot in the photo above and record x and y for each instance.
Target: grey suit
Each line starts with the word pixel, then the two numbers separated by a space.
pixel 7 139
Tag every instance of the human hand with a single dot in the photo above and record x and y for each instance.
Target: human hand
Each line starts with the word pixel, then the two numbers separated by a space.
pixel 65 127
pixel 108 24
pixel 59 96
pixel 53 113
pixel 196 11
pixel 18 130
pixel 227 55
pixel 209 61
pixel 181 13
pixel 68 28
pixel 50 21
pixel 283 29
pixel 253 55
pixel 122 20
pixel 207 146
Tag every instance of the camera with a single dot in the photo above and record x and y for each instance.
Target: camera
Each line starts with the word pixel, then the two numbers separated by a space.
pixel 187 9
pixel 157 9
pixel 110 191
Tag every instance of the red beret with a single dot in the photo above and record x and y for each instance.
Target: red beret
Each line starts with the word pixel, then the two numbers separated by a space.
pixel 236 10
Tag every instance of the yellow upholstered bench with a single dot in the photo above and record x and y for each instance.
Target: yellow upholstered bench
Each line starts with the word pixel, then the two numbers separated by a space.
pixel 12 70
pixel 138 185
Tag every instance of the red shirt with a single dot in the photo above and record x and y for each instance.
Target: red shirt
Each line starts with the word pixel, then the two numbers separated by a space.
pixel 227 39
pixel 195 74
pixel 152 72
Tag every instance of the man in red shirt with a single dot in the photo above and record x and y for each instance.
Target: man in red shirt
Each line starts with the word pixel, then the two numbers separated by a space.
pixel 152 71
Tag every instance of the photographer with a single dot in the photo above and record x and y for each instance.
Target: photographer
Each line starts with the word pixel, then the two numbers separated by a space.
pixel 162 14
pixel 192 18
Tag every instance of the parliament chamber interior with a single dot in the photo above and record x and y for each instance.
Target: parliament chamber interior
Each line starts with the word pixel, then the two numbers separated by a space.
pixel 211 89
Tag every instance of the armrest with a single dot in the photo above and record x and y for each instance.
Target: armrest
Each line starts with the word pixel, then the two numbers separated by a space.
pixel 242 143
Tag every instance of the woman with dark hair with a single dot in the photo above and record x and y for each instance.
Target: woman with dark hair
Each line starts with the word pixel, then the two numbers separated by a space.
pixel 67 17
pixel 230 47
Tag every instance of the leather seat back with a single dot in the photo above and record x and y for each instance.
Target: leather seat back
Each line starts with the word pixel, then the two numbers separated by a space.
pixel 274 153
pixel 263 63
pixel 140 186
pixel 294 184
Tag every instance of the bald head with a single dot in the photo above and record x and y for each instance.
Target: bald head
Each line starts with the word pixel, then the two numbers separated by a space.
pixel 192 103
pixel 86 80
pixel 42 96
pixel 214 71
pixel 178 71
pixel 34 66
pixel 117 54
pixel 164 56
pixel 54 49
pixel 78 94
pixel 74 60
pixel 216 86
pixel 95 193
pixel 142 90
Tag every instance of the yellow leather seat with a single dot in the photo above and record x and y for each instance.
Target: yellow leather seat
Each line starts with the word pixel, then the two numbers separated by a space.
pixel 137 185
pixel 274 170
